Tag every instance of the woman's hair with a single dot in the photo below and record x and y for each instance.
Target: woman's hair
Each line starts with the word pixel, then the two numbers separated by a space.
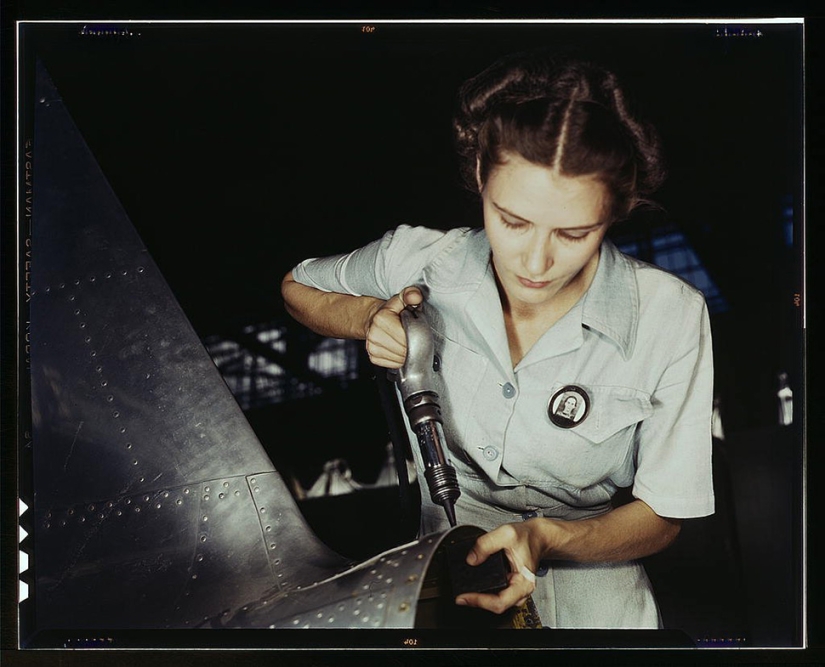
pixel 569 115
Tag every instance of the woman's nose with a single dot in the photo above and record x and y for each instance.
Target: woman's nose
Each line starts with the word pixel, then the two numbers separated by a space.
pixel 539 257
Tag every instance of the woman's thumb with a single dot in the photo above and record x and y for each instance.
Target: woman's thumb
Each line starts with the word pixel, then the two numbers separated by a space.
pixel 411 296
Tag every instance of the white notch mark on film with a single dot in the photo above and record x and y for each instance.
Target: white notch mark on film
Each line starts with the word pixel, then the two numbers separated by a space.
pixel 23 557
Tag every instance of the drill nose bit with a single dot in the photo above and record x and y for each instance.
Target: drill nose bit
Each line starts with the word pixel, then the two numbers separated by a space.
pixel 449 508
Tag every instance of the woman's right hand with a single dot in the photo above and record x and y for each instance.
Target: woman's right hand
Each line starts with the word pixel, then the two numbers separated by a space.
pixel 386 340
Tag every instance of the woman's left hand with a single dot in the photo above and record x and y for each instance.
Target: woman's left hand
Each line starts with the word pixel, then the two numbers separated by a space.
pixel 520 542
pixel 628 532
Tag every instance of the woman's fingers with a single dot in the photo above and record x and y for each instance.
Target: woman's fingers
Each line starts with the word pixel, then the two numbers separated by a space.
pixel 513 539
pixel 518 590
pixel 507 537
pixel 386 341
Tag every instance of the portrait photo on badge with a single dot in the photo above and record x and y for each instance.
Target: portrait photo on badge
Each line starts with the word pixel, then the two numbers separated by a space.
pixel 569 406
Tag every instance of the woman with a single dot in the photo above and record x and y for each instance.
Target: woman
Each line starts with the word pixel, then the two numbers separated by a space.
pixel 533 310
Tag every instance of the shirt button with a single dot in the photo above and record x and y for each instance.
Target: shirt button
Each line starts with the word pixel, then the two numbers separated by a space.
pixel 490 453
pixel 508 390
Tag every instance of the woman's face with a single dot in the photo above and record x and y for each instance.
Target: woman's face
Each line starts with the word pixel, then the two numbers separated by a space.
pixel 544 230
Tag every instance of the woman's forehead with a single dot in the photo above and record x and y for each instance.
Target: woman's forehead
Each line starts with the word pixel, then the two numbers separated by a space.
pixel 534 192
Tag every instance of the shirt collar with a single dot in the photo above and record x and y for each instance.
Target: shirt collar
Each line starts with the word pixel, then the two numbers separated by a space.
pixel 611 305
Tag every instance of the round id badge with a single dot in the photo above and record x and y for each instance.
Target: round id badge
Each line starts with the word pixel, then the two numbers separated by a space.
pixel 569 406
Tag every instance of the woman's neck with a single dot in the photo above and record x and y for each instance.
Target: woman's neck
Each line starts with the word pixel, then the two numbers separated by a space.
pixel 526 323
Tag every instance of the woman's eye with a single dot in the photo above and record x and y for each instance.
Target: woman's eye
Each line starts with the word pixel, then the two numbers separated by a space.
pixel 573 237
pixel 513 225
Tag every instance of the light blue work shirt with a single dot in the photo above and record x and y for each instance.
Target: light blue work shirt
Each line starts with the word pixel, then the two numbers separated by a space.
pixel 637 344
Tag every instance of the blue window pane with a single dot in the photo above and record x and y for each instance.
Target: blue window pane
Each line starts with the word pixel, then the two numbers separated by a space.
pixel 667 241
pixel 672 253
pixel 631 249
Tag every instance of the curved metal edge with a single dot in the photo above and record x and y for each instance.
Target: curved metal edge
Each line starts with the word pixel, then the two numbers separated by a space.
pixel 382 592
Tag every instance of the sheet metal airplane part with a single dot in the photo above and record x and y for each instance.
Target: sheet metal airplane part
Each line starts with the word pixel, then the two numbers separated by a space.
pixel 382 592
pixel 416 384
pixel 156 506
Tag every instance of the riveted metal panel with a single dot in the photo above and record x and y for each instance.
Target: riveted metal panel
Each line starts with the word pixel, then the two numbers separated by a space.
pixel 296 555
pixel 122 561
pixel 143 513
pixel 228 559
pixel 119 378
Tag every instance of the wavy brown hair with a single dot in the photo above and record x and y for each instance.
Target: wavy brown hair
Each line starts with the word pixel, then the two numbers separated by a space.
pixel 567 115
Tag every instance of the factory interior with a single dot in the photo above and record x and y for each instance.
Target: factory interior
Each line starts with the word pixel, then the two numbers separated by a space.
pixel 238 151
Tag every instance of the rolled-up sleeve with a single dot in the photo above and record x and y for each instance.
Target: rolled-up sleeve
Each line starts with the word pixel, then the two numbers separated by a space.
pixel 673 467
pixel 380 269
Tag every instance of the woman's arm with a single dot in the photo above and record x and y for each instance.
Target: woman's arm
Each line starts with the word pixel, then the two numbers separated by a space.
pixel 626 533
pixel 384 267
pixel 329 313
pixel 355 317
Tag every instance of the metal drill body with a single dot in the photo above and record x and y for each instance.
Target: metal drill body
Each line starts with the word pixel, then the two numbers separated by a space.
pixel 416 384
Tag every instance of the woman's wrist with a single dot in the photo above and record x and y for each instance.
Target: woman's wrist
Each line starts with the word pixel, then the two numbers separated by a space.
pixel 369 307
pixel 560 539
pixel 547 538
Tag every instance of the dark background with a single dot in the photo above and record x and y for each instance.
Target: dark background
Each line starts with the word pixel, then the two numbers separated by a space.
pixel 239 150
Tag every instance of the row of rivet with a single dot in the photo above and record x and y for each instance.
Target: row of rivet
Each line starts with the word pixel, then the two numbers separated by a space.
pixel 103 510
pixel 381 578
pixel 269 537
pixel 203 532
pixel 187 592
pixel 77 282
pixel 104 383
pixel 203 537
pixel 376 602
pixel 323 619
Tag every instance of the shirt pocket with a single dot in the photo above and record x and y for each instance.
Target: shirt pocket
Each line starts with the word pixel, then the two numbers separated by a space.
pixel 595 448
pixel 612 410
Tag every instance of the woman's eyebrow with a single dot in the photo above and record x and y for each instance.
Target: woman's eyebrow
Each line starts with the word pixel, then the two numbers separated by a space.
pixel 511 214
pixel 530 222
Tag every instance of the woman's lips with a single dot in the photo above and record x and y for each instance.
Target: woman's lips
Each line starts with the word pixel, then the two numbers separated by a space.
pixel 532 284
